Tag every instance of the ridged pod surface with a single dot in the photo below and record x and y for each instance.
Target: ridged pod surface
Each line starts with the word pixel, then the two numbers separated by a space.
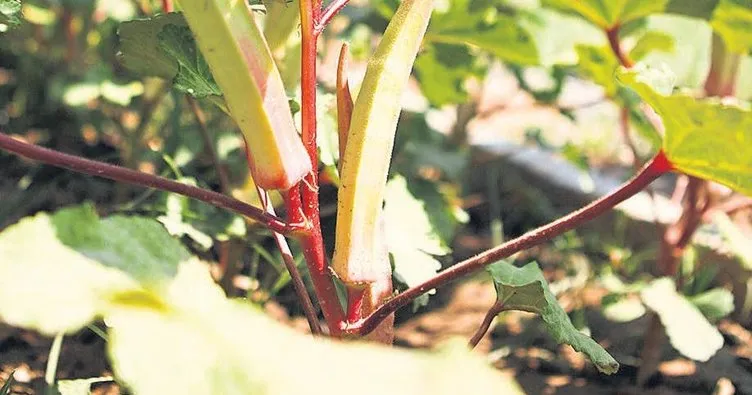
pixel 359 254
pixel 244 69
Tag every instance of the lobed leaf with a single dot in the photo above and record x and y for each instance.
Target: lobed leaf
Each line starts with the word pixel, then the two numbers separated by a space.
pixel 526 289
pixel 193 76
pixel 474 23
pixel 140 49
pixel 84 267
pixel 609 13
pixel 192 339
pixel 688 330
pixel 370 142
pixel 703 137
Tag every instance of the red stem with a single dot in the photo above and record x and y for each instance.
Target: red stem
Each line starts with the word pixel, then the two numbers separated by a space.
pixel 613 40
pixel 329 13
pixel 289 261
pixel 312 241
pixel 167 6
pixel 497 308
pixel 122 174
pixel 651 171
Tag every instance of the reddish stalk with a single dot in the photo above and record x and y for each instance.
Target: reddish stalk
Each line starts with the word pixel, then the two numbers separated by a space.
pixel 167 6
pixel 224 181
pixel 289 261
pixel 652 170
pixel 613 40
pixel 328 14
pixel 344 101
pixel 497 308
pixel 122 174
pixel 312 241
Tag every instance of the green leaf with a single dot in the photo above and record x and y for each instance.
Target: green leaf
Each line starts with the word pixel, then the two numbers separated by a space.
pixel 598 64
pixel 732 20
pixel 10 13
pixel 714 304
pixel 75 288
pixel 5 389
pixel 140 50
pixel 86 266
pixel 703 138
pixel 609 13
pixel 477 24
pixel 554 48
pixel 192 339
pixel 194 76
pixel 80 386
pixel 134 245
pixel 442 70
pixel 412 240
pixel 623 309
pixel 688 330
pixel 652 41
pixel 525 289
pixel 735 239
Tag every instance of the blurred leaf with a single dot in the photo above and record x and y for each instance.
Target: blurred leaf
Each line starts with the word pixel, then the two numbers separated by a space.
pixel 690 59
pixel 193 76
pixel 598 64
pixel 412 240
pixel 116 9
pixel 554 48
pixel 475 23
pixel 80 386
pixel 442 70
pixel 526 289
pixel 609 13
pixel 735 239
pixel 694 8
pixel 5 389
pixel 704 138
pixel 10 13
pixel 688 330
pixel 623 310
pixel 192 328
pixel 714 304
pixel 201 222
pixel 732 20
pixel 61 287
pixel 652 41
pixel 140 48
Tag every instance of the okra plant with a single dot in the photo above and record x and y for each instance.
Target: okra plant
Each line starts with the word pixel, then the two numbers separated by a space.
pixel 162 309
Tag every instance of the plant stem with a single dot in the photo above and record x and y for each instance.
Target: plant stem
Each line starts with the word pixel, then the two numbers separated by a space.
pixel 652 170
pixel 329 13
pixel 497 308
pixel 224 181
pixel 312 241
pixel 289 261
pixel 167 6
pixel 613 40
pixel 52 360
pixel 122 174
